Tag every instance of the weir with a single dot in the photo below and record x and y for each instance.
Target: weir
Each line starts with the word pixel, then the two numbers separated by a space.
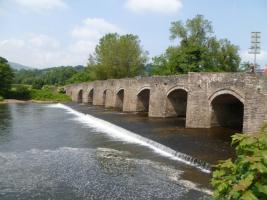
pixel 127 136
pixel 232 100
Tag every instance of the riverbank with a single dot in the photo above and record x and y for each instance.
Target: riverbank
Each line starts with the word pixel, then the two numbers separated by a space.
pixel 25 93
pixel 15 101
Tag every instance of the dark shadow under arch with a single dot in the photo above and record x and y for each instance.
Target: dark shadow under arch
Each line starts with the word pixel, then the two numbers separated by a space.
pixel 90 96
pixel 119 99
pixel 176 103
pixel 104 97
pixel 80 96
pixel 227 111
pixel 143 100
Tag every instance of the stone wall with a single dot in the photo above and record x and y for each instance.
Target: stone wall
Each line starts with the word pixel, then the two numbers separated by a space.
pixel 202 89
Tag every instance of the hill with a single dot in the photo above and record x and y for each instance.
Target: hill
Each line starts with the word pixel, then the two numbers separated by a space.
pixel 18 66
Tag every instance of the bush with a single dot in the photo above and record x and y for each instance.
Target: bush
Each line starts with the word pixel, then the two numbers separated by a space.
pixel 48 95
pixel 37 84
pixel 50 87
pixel 1 98
pixel 246 177
pixel 21 92
pixel 61 90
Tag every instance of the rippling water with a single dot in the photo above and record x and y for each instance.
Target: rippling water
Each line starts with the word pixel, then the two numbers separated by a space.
pixel 58 152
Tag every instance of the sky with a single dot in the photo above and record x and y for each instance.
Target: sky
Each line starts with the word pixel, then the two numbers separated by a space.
pixel 48 33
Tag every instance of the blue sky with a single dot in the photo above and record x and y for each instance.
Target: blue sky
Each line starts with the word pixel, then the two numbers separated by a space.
pixel 46 33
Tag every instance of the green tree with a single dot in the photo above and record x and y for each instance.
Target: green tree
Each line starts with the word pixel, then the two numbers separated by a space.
pixel 6 76
pixel 80 76
pixel 198 50
pixel 246 177
pixel 51 76
pixel 117 57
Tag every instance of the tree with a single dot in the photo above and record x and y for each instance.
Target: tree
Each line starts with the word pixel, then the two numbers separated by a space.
pixel 116 57
pixel 198 50
pixel 6 76
pixel 51 76
pixel 246 177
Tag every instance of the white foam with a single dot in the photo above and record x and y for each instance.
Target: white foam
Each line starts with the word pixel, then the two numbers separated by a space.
pixel 122 134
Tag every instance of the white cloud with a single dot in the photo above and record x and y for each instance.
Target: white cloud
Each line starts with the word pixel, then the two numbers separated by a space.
pixel 41 5
pixel 39 50
pixel 94 28
pixel 89 32
pixel 33 50
pixel 161 6
pixel 43 41
pixel 82 46
pixel 261 58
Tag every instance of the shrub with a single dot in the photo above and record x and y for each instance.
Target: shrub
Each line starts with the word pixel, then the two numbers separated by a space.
pixel 246 177
pixel 1 98
pixel 61 90
pixel 37 84
pixel 21 92
pixel 50 87
pixel 48 95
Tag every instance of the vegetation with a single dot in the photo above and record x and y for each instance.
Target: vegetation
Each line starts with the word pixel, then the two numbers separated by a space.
pixel 6 76
pixel 1 98
pixel 51 76
pixel 198 51
pixel 117 57
pixel 20 92
pixel 246 177
pixel 47 93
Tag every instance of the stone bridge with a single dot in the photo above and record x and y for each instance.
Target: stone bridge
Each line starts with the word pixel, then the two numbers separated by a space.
pixel 235 100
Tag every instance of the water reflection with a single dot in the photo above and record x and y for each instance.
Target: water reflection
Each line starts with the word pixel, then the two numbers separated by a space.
pixel 5 122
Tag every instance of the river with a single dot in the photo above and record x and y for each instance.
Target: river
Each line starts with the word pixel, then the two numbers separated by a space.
pixel 77 151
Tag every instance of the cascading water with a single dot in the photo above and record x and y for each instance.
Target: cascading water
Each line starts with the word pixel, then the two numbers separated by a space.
pixel 130 137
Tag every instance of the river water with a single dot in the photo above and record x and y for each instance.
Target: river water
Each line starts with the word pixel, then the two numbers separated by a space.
pixel 76 151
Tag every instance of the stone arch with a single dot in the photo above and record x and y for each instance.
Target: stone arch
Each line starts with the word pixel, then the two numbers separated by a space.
pixel 143 97
pixel 176 88
pixel 90 96
pixel 119 99
pixel 176 104
pixel 80 96
pixel 239 96
pixel 227 109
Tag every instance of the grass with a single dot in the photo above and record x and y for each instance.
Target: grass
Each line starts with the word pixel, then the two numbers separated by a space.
pixel 48 93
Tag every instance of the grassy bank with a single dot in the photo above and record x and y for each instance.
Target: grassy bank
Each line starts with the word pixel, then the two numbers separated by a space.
pixel 47 93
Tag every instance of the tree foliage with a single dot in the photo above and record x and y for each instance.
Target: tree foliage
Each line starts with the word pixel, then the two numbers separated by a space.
pixel 246 177
pixel 6 76
pixel 199 50
pixel 52 76
pixel 116 57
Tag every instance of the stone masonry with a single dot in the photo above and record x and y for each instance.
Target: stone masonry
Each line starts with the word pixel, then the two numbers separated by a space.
pixel 205 99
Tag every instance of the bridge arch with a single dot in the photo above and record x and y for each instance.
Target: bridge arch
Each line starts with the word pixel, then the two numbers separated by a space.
pixel 227 109
pixel 119 99
pixel 143 97
pixel 80 96
pixel 176 104
pixel 90 96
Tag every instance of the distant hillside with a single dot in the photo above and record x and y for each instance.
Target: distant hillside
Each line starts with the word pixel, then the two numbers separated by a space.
pixel 52 76
pixel 18 66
